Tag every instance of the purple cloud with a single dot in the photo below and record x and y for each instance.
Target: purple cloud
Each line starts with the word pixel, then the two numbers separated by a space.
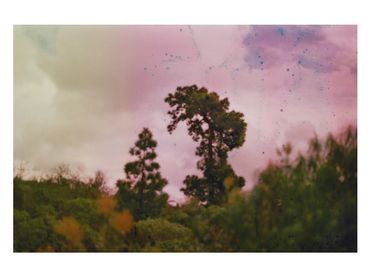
pixel 303 46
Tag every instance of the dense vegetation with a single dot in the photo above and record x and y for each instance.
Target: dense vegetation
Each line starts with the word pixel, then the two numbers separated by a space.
pixel 302 202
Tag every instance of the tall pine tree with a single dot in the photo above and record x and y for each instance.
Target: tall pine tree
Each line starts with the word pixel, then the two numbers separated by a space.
pixel 219 131
pixel 141 191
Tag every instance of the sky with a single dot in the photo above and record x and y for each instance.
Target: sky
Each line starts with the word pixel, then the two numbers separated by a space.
pixel 82 94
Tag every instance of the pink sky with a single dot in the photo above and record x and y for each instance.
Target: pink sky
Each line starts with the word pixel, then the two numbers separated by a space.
pixel 82 94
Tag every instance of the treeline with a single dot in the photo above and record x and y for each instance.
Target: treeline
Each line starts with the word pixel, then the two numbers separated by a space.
pixel 305 202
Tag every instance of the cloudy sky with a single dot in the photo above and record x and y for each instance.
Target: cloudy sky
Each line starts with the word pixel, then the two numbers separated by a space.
pixel 83 93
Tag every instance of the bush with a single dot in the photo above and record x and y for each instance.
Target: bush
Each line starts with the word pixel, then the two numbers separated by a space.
pixel 162 235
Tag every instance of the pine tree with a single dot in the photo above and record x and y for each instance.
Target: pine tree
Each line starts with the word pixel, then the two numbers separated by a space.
pixel 141 191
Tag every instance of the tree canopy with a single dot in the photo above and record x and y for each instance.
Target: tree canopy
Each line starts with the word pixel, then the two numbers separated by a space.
pixel 217 130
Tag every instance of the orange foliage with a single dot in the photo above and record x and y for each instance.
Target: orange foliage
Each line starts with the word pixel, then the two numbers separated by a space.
pixel 122 221
pixel 233 196
pixel 70 229
pixel 106 205
pixel 229 182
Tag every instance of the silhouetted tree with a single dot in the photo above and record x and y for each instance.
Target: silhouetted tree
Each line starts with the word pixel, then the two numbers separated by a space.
pixel 141 191
pixel 218 130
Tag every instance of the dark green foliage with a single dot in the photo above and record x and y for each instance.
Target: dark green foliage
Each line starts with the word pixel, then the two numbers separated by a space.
pixel 141 191
pixel 310 203
pixel 29 233
pixel 83 210
pixel 40 205
pixel 306 202
pixel 161 235
pixel 218 130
